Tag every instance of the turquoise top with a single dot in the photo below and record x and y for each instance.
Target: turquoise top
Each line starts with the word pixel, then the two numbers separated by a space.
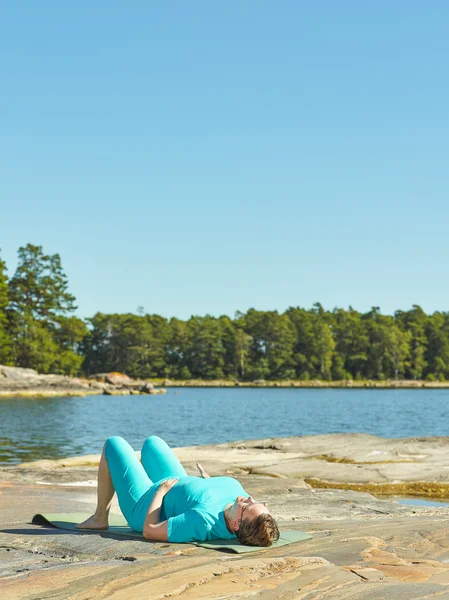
pixel 195 508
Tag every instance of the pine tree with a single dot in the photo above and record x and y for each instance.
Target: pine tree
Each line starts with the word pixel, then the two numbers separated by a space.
pixel 39 287
pixel 40 307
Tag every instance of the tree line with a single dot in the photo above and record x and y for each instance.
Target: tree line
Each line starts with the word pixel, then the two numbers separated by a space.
pixel 38 329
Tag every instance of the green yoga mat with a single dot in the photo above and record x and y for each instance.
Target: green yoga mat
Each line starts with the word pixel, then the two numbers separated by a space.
pixel 118 526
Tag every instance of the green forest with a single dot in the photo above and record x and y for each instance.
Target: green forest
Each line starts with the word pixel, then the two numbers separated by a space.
pixel 39 330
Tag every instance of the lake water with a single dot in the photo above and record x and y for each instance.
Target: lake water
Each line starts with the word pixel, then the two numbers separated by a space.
pixel 32 429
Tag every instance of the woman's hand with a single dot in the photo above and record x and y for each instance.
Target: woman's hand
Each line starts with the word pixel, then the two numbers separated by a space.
pixel 167 485
pixel 203 473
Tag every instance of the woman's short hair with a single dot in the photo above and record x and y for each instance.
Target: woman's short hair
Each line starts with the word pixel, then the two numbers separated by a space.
pixel 261 531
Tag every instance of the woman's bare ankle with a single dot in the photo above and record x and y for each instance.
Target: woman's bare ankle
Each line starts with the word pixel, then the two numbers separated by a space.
pixel 94 522
pixel 102 515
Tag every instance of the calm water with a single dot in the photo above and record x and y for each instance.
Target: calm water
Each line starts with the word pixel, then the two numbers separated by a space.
pixel 420 502
pixel 31 429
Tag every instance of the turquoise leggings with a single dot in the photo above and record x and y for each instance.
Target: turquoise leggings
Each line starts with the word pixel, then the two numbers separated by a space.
pixel 136 482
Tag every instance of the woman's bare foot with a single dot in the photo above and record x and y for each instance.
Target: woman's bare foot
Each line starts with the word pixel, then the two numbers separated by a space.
pixel 94 522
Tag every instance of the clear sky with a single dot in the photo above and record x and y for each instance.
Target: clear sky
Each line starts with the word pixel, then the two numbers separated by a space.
pixel 206 157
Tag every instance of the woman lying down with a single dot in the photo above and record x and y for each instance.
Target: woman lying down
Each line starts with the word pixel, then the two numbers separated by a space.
pixel 158 498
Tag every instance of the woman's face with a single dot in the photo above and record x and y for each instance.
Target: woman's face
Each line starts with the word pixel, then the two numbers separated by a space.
pixel 245 508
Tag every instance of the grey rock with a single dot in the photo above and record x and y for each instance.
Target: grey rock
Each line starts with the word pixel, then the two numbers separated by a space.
pixel 147 388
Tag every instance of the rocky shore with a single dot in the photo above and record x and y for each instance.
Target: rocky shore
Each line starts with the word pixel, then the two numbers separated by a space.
pixel 363 545
pixel 18 382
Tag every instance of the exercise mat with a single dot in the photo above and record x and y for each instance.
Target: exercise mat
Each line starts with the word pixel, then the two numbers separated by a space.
pixel 118 526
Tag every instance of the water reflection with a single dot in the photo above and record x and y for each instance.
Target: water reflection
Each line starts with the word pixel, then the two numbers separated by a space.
pixel 13 451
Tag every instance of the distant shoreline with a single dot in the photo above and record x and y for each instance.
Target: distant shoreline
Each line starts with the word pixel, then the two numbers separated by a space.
pixel 347 384
pixel 55 392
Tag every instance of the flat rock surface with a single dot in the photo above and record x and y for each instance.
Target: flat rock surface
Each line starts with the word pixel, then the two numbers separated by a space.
pixel 362 546
pixel 21 382
pixel 355 458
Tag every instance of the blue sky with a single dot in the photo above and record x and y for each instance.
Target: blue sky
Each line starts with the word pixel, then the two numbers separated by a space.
pixel 207 157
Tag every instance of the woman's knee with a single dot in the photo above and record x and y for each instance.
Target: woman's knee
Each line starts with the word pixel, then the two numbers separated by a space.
pixel 114 440
pixel 153 442
pixel 115 444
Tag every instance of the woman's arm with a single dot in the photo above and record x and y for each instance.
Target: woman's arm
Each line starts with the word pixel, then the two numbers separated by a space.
pixel 157 533
pixel 153 528
pixel 203 473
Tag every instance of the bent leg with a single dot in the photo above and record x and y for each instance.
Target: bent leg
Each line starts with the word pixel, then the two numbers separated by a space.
pixel 105 492
pixel 159 461
pixel 126 476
